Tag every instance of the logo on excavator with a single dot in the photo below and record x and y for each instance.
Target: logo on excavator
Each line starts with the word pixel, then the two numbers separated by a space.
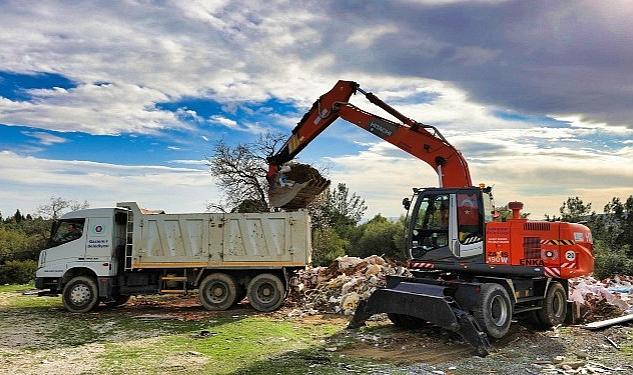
pixel 381 128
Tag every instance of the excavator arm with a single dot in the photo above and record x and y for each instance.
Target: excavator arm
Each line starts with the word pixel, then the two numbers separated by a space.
pixel 422 141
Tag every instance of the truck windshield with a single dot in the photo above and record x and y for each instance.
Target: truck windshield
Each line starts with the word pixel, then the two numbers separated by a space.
pixel 66 230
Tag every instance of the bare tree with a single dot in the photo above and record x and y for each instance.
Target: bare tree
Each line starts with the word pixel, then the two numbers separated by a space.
pixel 241 170
pixel 56 207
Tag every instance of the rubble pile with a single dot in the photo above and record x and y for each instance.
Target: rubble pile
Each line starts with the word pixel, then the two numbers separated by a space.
pixel 339 287
pixel 598 299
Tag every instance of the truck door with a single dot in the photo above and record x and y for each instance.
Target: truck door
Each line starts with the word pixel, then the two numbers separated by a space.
pixel 99 239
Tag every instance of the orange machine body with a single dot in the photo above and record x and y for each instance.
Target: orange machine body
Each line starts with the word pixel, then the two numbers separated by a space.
pixel 560 250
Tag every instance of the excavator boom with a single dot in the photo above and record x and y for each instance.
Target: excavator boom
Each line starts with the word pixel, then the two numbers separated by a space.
pixel 422 141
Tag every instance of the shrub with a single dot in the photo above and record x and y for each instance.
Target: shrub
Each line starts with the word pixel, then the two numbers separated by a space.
pixel 18 272
pixel 327 245
pixel 381 237
pixel 610 262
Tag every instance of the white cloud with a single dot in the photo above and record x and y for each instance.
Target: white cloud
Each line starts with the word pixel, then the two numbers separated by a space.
pixel 224 121
pixel 174 148
pixel 28 181
pixel 541 178
pixel 44 138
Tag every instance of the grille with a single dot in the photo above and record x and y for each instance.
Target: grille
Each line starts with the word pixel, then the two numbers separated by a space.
pixel 536 226
pixel 532 247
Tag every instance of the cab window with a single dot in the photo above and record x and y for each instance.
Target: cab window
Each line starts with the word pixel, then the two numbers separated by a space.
pixel 430 229
pixel 67 230
pixel 469 218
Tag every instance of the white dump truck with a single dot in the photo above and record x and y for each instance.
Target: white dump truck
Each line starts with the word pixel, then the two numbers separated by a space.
pixel 106 255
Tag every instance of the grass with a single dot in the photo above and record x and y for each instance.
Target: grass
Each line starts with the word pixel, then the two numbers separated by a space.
pixel 244 344
pixel 10 288
pixel 231 344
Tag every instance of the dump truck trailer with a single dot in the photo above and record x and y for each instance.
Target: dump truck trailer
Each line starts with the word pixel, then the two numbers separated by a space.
pixel 106 255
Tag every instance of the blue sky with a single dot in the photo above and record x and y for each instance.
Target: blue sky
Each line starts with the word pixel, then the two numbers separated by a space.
pixel 111 102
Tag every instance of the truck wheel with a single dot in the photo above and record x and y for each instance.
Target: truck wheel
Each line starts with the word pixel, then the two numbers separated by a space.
pixel 554 308
pixel 218 291
pixel 406 321
pixel 494 310
pixel 265 292
pixel 80 294
pixel 118 301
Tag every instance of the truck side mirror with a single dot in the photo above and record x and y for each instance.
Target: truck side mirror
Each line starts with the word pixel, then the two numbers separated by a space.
pixel 406 202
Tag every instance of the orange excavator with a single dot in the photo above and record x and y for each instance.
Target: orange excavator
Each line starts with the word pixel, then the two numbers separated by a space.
pixel 472 270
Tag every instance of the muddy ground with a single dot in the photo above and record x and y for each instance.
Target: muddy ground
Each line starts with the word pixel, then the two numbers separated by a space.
pixel 173 335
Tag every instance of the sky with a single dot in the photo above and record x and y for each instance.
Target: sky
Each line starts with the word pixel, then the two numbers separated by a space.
pixel 123 101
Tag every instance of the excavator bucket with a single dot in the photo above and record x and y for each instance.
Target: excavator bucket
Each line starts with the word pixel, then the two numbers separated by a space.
pixel 426 301
pixel 297 187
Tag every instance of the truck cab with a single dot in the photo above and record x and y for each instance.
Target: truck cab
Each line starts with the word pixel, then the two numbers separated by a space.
pixel 86 243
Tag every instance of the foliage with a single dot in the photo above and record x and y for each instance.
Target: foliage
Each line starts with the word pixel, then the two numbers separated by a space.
pixel 337 208
pixel 18 271
pixel 574 210
pixel 610 262
pixel 381 237
pixel 23 237
pixel 240 172
pixel 327 245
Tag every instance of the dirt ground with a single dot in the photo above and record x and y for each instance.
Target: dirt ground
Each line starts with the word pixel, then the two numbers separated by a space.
pixel 173 335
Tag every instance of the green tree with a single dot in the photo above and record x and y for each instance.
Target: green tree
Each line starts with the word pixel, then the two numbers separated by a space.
pixel 337 208
pixel 574 210
pixel 381 237
pixel 327 245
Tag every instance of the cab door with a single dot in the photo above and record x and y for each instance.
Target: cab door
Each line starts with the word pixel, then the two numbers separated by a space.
pixel 99 239
pixel 466 224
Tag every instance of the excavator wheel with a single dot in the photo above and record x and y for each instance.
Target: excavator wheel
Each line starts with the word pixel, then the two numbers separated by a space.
pixel 554 307
pixel 494 310
pixel 406 321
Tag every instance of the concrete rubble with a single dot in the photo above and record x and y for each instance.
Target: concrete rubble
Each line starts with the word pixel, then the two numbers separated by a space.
pixel 600 299
pixel 339 287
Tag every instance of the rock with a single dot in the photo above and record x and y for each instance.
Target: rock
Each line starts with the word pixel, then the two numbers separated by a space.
pixel 558 359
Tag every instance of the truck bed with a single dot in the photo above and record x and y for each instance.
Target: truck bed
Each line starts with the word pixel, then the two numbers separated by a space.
pixel 236 240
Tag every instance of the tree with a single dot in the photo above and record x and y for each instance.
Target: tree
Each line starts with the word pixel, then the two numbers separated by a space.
pixel 574 210
pixel 17 217
pixel 327 245
pixel 240 172
pixel 337 208
pixel 56 207
pixel 380 236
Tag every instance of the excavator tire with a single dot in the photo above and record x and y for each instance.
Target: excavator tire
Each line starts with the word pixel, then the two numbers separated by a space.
pixel 554 307
pixel 406 321
pixel 494 310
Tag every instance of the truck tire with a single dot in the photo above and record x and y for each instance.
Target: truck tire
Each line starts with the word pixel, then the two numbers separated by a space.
pixel 554 308
pixel 117 301
pixel 494 310
pixel 80 294
pixel 218 291
pixel 406 321
pixel 266 292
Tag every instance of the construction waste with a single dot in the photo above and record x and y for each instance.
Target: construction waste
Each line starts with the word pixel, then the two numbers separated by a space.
pixel 348 280
pixel 339 287
pixel 600 299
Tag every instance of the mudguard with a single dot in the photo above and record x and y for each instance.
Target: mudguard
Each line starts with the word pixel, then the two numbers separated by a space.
pixel 427 302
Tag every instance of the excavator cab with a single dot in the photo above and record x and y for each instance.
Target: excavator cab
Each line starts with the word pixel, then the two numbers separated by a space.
pixel 447 225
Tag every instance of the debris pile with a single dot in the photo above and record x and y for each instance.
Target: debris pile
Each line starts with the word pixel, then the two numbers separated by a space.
pixel 339 287
pixel 597 299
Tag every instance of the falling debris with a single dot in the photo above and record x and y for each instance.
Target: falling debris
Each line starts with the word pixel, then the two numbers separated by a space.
pixel 596 300
pixel 339 287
